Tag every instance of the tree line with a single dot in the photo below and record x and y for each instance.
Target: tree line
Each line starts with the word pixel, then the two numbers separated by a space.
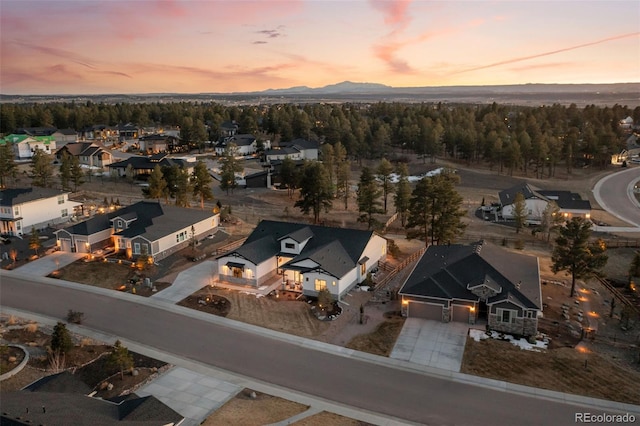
pixel 533 141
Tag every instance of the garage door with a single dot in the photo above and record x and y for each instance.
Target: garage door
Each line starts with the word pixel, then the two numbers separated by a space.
pixel 81 246
pixel 65 245
pixel 425 310
pixel 460 313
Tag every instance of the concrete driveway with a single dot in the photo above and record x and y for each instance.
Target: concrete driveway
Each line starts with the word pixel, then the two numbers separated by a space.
pixel 189 281
pixel 49 263
pixel 432 343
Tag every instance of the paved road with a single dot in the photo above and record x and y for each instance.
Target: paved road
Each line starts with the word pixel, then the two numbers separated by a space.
pixel 349 377
pixel 614 193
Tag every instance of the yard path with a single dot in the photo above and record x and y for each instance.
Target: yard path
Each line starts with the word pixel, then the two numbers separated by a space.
pixel 189 281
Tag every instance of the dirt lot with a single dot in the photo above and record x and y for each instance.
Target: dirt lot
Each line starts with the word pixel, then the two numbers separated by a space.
pixel 261 410
pixel 563 369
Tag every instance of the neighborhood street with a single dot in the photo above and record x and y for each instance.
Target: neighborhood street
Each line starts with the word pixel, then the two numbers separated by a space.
pixel 355 379
pixel 614 193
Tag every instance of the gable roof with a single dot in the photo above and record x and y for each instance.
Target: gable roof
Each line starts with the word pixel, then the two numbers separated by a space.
pixel 300 144
pixel 336 250
pixel 63 382
pixel 508 196
pixel 144 163
pixel 567 200
pixel 449 272
pixel 16 196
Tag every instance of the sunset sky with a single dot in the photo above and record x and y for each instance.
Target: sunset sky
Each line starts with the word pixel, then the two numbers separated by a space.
pixel 143 46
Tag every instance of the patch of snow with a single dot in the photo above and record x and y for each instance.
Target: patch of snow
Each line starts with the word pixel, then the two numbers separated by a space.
pixel 364 288
pixel 522 343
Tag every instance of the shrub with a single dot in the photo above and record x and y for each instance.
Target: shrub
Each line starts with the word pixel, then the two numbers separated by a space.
pixel 325 300
pixel 519 245
pixel 75 317
pixel 32 328
pixel 393 249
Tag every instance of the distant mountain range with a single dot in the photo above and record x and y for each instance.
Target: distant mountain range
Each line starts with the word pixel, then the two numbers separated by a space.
pixel 348 87
pixel 627 94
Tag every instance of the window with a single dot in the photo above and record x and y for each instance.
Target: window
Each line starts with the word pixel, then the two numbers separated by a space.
pixel 136 248
pixel 60 199
pixel 320 284
pixel 531 314
pixel 289 245
pixel 64 213
pixel 506 315
pixel 16 211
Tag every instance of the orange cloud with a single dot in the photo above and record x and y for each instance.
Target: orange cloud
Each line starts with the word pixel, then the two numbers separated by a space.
pixel 394 11
pixel 552 52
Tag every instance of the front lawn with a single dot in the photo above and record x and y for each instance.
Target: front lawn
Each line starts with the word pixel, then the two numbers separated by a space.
pixel 99 274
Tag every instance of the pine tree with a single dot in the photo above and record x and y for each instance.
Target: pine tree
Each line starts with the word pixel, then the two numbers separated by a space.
pixel 574 254
pixel 435 210
pixel 368 198
pixel 315 190
pixel 157 185
pixel 385 168
pixel 289 175
pixel 65 170
pixel 8 166
pixel 519 212
pixel 61 339
pixel 120 358
pixel 34 240
pixel 229 167
pixel 41 169
pixel 402 193
pixel 201 183
pixel 183 188
pixel 77 175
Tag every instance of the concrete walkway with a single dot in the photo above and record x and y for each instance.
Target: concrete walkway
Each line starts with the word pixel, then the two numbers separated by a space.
pixel 191 394
pixel 431 343
pixel 189 281
pixel 49 263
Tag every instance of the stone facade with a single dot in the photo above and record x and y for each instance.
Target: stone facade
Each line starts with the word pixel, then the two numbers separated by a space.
pixel 520 326
pixel 446 314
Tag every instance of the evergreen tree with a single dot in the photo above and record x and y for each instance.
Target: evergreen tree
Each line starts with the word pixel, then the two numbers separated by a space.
pixel 120 358
pixel 574 254
pixel 551 219
pixel 229 167
pixel 315 190
pixel 157 185
pixel 183 188
pixel 201 183
pixel 385 169
pixel 34 240
pixel 77 175
pixel 519 212
pixel 343 174
pixel 368 198
pixel 61 339
pixel 289 175
pixel 41 169
pixel 8 166
pixel 435 210
pixel 402 193
pixel 65 170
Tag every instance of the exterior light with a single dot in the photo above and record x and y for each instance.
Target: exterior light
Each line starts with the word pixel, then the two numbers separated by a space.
pixel 472 308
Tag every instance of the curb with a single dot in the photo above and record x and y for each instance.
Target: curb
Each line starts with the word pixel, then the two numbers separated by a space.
pixel 20 366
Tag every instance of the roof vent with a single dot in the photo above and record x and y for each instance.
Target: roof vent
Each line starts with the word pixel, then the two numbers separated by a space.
pixel 518 284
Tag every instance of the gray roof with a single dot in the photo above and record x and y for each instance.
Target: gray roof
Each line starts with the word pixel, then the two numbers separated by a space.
pixel 282 151
pixel 63 382
pixel 508 196
pixel 242 140
pixel 336 250
pixel 152 220
pixel 16 196
pixel 299 235
pixel 148 163
pixel 567 200
pixel 301 144
pixel 449 272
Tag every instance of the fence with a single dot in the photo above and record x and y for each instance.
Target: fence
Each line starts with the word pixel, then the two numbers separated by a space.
pixel 383 285
pixel 231 246
pixel 614 291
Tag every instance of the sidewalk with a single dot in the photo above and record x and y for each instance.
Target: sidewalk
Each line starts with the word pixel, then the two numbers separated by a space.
pixel 189 281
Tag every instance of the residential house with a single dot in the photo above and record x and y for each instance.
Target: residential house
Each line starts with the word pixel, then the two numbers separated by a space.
pixel 108 135
pixel 157 143
pixel 536 200
pixel 297 149
pixel 481 281
pixel 63 399
pixel 61 136
pixel 143 166
pixel 128 132
pixel 228 129
pixel 22 209
pixel 146 227
pixel 303 258
pixel 91 154
pixel 24 145
pixel 245 144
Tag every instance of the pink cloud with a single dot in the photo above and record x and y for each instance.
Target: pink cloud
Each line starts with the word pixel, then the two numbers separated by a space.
pixel 394 11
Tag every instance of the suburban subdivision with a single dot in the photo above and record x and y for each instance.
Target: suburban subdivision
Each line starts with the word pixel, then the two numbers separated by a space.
pixel 319 261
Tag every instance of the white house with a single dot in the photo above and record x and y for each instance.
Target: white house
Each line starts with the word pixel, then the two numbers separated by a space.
pixel 146 227
pixel 303 258
pixel 536 200
pixel 24 145
pixel 245 144
pixel 297 149
pixel 22 209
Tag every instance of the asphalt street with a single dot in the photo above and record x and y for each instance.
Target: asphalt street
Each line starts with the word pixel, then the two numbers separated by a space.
pixel 344 376
pixel 614 193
